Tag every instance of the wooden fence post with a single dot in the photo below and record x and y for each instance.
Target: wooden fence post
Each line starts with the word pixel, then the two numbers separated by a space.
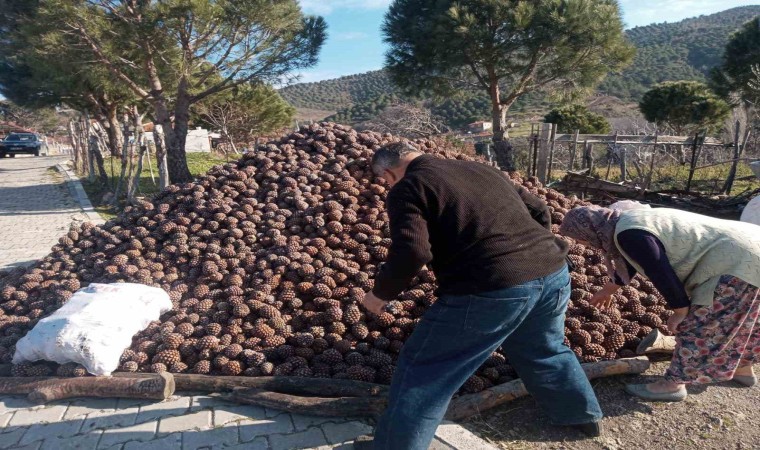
pixel 535 130
pixel 737 154
pixel 551 151
pixel 651 163
pixel 74 143
pixel 575 149
pixel 693 164
pixel 623 160
pixel 543 151
pixel 163 168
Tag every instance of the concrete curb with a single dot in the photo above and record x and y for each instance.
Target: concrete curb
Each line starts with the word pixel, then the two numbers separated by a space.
pixel 77 191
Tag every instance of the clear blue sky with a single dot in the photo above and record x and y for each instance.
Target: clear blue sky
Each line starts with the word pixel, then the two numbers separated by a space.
pixel 355 43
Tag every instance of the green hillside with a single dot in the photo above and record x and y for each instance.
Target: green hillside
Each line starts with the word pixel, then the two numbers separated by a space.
pixel 685 50
pixel 339 93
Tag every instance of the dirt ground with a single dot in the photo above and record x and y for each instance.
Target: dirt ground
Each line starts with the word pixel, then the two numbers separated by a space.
pixel 720 416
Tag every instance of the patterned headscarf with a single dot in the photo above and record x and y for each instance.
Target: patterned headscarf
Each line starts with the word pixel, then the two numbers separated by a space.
pixel 596 225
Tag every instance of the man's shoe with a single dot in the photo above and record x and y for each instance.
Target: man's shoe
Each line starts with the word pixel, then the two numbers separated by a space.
pixel 590 429
pixel 364 443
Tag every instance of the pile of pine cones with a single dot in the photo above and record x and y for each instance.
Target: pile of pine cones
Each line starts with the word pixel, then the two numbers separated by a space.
pixel 266 261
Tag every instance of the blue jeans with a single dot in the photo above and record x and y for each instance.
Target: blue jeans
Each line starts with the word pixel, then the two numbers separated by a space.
pixel 459 332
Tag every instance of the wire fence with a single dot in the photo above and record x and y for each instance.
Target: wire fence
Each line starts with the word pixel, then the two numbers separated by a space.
pixel 659 163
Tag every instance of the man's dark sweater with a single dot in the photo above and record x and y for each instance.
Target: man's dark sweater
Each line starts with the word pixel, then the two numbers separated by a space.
pixel 474 227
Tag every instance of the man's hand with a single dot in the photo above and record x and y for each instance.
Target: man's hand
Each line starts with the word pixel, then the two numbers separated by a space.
pixel 678 316
pixel 603 298
pixel 373 304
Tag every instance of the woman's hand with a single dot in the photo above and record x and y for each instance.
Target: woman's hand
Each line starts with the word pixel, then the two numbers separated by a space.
pixel 678 316
pixel 373 304
pixel 603 298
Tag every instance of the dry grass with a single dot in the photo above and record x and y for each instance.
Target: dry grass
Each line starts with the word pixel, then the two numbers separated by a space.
pixel 198 163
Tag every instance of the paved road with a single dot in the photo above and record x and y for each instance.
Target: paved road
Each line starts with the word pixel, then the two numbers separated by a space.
pixel 35 210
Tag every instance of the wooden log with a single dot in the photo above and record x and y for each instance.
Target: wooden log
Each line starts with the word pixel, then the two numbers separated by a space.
pixel 157 387
pixel 470 405
pixel 656 343
pixel 316 406
pixel 286 385
pixel 46 389
pixel 22 385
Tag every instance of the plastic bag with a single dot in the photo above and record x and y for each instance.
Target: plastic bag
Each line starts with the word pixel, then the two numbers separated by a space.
pixel 94 327
pixel 625 205
pixel 751 213
pixel 755 166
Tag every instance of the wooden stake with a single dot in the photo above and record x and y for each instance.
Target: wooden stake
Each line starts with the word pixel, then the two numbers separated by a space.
pixel 551 151
pixel 693 164
pixel 163 168
pixel 737 154
pixel 575 149
pixel 651 163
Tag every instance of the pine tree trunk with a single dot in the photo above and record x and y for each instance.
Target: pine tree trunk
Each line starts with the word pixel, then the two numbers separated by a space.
pixel 98 158
pixel 505 156
pixel 504 152
pixel 176 156
pixel 176 133
pixel 115 136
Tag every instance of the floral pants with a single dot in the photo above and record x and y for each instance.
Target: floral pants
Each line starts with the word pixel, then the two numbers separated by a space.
pixel 714 340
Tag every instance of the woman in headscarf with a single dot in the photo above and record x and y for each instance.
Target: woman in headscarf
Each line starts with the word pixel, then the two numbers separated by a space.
pixel 707 269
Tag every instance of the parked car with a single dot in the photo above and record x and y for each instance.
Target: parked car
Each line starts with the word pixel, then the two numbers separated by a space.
pixel 16 143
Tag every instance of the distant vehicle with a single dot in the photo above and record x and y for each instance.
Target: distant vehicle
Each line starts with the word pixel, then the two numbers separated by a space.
pixel 16 143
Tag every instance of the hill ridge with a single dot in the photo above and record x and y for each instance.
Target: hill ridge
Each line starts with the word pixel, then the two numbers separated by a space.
pixel 686 50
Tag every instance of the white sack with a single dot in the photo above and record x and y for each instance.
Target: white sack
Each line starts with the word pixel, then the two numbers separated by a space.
pixel 624 205
pixel 751 213
pixel 755 166
pixel 94 327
